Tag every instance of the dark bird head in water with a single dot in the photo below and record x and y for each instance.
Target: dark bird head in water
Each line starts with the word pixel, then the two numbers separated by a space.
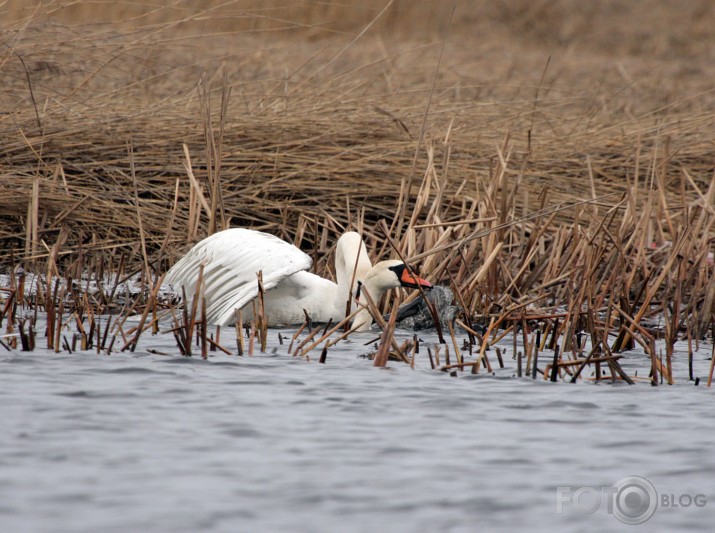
pixel 417 316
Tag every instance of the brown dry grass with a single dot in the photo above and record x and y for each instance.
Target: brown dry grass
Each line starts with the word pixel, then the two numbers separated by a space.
pixel 305 120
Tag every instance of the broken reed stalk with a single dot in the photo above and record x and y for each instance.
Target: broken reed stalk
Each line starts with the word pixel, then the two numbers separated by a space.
pixel 9 306
pixel 215 345
pixel 251 338
pixel 555 365
pixel 535 362
pixel 327 334
pixel 213 151
pixel 239 330
pixel 195 303
pixel 132 344
pixel 375 312
pixel 262 321
pixel 24 342
pixel 327 326
pixel 518 364
pixel 307 339
pixel 296 335
pixel 457 352
pixel 58 328
pixel 387 338
pixel 583 364
pixel 203 326
pixel 142 238
pixel 712 365
pixel 460 366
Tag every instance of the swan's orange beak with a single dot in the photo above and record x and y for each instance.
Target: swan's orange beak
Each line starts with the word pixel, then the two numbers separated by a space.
pixel 413 282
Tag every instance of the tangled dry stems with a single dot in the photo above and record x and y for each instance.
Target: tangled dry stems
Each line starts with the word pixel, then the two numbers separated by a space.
pixel 129 143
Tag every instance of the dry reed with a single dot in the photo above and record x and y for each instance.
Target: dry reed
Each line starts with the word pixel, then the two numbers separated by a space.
pixel 546 205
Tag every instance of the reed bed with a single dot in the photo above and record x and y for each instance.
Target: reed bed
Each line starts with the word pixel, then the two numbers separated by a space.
pixel 556 212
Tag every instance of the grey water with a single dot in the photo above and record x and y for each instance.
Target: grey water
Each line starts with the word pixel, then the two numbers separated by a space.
pixel 146 442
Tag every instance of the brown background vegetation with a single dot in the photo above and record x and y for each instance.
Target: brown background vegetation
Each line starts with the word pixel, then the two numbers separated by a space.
pixel 328 101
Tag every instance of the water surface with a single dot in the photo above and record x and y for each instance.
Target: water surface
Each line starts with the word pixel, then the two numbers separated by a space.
pixel 145 442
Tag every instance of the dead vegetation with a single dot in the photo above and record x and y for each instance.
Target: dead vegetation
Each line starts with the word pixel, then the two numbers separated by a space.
pixel 561 186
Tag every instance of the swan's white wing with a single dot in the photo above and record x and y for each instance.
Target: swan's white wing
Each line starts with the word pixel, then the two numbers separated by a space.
pixel 232 258
pixel 303 290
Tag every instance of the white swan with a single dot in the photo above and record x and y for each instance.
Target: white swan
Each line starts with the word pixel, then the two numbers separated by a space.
pixel 233 257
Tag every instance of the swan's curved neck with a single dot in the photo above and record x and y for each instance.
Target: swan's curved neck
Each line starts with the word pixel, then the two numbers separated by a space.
pixel 351 266
pixel 363 319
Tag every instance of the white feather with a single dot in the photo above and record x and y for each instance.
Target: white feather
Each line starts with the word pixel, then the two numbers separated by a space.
pixel 232 259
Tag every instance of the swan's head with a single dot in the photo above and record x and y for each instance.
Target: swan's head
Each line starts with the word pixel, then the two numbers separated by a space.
pixel 404 278
pixel 391 275
pixel 383 276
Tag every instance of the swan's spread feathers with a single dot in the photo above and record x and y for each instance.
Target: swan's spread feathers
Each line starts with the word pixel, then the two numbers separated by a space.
pixel 232 259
